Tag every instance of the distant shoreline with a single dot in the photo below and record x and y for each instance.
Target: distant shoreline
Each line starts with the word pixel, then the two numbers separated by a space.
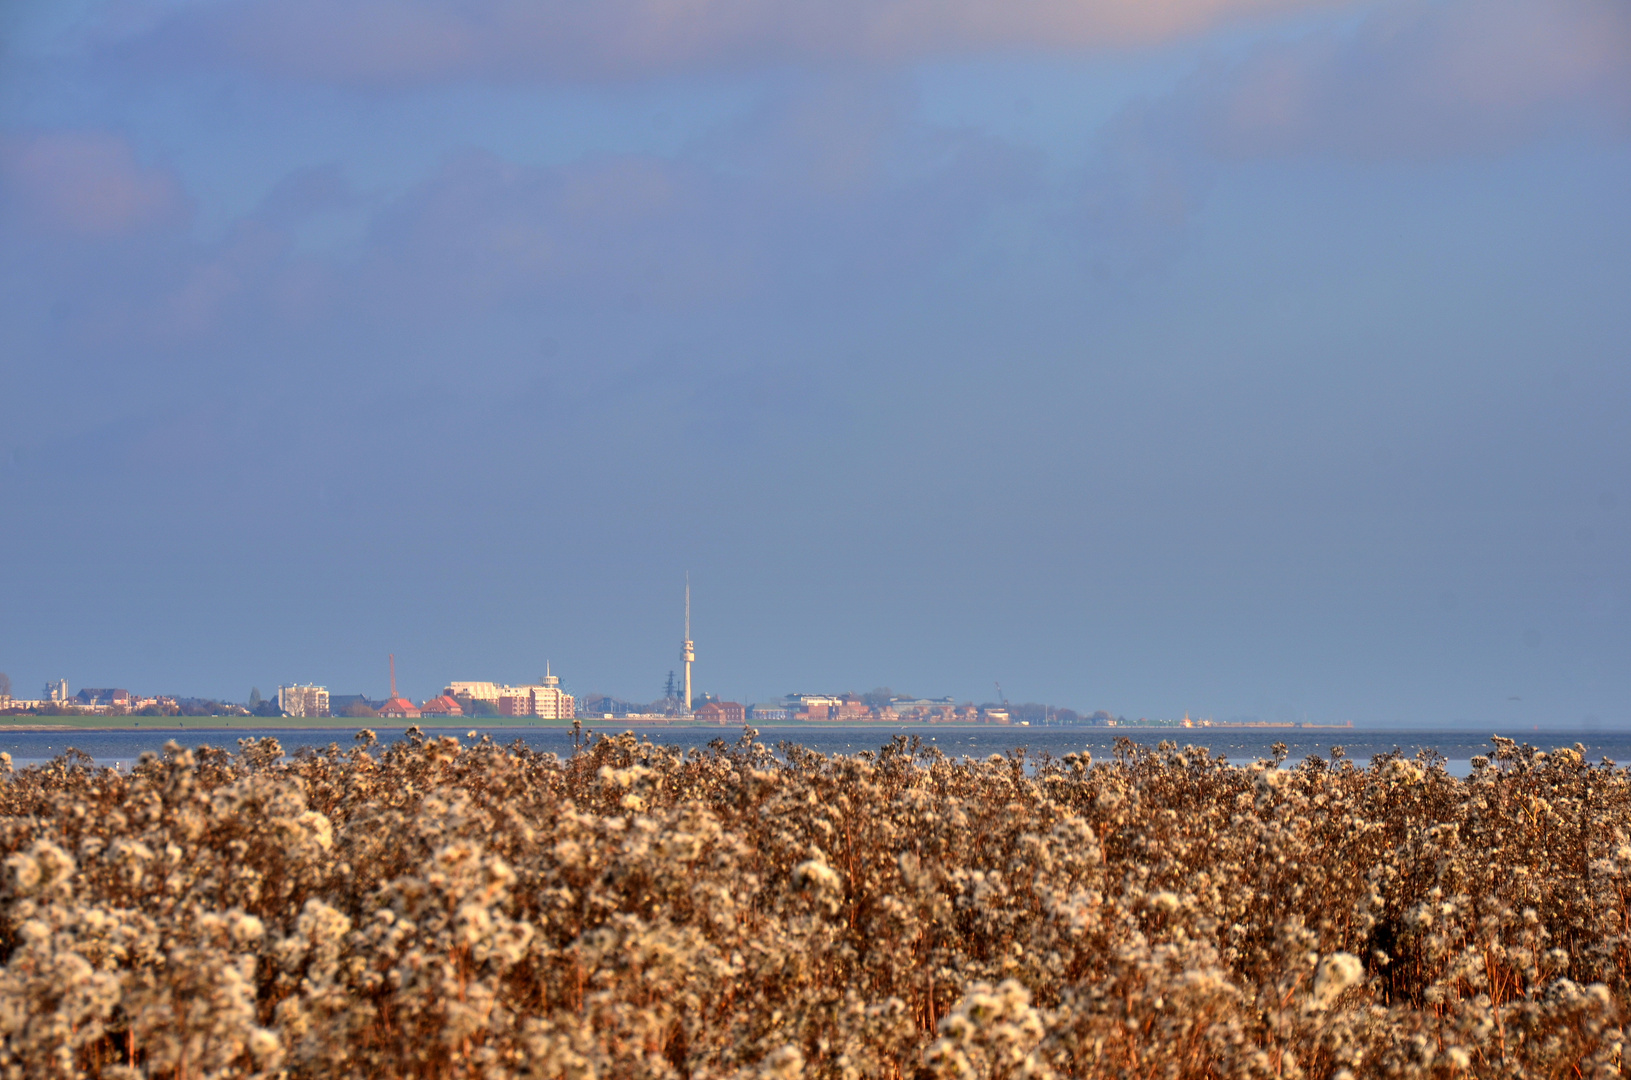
pixel 52 724
pixel 22 724
pixel 450 723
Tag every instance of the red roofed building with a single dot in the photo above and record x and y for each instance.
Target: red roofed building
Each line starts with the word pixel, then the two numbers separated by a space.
pixel 441 706
pixel 399 708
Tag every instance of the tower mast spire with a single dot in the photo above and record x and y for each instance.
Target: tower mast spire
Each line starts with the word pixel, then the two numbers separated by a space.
pixel 688 651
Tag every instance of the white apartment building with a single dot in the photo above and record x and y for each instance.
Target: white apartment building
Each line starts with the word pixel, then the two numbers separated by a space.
pixel 479 691
pixel 302 700
pixel 550 702
pixel 817 701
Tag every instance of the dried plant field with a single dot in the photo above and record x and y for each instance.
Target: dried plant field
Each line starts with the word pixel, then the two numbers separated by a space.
pixel 438 910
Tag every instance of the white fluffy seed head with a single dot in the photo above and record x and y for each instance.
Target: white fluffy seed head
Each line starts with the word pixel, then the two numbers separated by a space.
pixel 1335 974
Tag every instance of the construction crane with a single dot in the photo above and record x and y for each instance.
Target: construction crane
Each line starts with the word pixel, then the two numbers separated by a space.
pixel 397 706
pixel 1000 697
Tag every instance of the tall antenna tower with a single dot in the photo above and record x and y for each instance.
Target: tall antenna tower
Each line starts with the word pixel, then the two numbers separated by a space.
pixel 688 651
pixel 393 676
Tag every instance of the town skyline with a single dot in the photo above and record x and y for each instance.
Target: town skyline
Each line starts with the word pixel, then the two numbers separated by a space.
pixel 487 699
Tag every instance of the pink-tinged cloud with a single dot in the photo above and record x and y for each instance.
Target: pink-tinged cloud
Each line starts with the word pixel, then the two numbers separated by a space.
pixel 1410 82
pixel 1423 80
pixel 828 189
pixel 87 183
pixel 407 41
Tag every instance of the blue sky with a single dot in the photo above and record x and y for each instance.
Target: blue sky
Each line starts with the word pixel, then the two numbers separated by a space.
pixel 1245 357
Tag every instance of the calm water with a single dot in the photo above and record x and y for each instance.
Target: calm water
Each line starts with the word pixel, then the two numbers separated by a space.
pixel 122 748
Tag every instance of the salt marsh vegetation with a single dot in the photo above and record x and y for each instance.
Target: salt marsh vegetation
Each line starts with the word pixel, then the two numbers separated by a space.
pixel 448 909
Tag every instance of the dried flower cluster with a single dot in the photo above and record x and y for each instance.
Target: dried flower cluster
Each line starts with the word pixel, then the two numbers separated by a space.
pixel 438 910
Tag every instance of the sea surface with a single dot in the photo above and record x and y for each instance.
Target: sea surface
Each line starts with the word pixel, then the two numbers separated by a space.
pixel 123 748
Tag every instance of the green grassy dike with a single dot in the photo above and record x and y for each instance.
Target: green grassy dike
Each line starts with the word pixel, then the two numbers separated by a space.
pixel 256 723
pixel 342 723
pixel 71 722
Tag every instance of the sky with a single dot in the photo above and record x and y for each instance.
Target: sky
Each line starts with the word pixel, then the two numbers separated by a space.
pixel 1249 358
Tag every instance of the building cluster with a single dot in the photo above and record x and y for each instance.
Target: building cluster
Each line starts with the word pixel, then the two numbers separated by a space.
pixel 848 708
pixel 845 709
pixel 101 700
pixel 544 700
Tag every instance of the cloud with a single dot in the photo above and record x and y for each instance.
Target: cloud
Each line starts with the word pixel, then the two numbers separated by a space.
pixel 831 190
pixel 829 186
pixel 1424 80
pixel 1411 81
pixel 87 183
pixel 620 229
pixel 413 41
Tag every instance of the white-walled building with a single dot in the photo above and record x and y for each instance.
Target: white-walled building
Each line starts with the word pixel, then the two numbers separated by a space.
pixel 476 691
pixel 550 702
pixel 302 701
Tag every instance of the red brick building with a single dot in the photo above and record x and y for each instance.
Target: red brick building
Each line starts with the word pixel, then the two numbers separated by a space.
pixel 725 713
